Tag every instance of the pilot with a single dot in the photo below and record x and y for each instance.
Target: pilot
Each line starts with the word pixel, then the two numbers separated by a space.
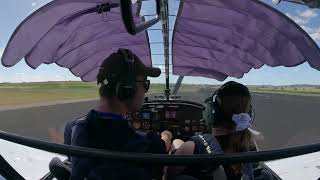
pixel 123 80
pixel 229 115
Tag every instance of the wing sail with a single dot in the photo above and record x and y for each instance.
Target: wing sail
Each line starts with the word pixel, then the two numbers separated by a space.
pixel 227 38
pixel 72 34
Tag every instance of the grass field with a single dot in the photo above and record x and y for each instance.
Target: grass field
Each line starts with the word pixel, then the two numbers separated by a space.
pixel 300 90
pixel 25 93
pixel 306 90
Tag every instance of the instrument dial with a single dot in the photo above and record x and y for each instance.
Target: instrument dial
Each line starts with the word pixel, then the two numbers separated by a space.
pixel 136 125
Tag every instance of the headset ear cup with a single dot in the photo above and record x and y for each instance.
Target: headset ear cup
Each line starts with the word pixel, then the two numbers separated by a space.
pixel 216 113
pixel 207 114
pixel 125 90
pixel 251 114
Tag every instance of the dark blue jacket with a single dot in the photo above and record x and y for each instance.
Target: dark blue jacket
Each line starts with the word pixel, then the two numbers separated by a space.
pixel 96 131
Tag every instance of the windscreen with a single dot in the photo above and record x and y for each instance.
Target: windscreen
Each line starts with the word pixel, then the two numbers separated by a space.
pixel 38 103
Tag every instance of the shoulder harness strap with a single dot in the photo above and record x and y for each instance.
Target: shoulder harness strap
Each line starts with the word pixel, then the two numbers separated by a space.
pixel 205 143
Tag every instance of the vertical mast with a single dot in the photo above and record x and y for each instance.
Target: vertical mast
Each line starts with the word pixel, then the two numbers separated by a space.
pixel 162 14
pixel 165 31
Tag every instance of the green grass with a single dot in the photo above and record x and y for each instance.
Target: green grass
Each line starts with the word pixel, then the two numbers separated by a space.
pixel 25 93
pixel 158 88
pixel 289 90
pixel 300 90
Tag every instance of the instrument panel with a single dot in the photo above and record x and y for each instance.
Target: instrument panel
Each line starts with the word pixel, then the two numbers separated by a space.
pixel 182 118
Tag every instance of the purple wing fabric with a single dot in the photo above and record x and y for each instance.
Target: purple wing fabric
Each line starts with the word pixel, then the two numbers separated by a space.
pixel 222 38
pixel 72 34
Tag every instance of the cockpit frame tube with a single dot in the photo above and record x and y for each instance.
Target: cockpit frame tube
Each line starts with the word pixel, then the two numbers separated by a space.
pixel 310 4
pixel 7 171
pixel 177 86
pixel 128 20
pixel 164 14
pixel 142 158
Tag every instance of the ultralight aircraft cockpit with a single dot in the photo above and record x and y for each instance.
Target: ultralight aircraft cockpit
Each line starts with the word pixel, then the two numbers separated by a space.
pixel 215 39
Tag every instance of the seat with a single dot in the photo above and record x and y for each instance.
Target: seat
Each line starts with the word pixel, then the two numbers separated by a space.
pixel 219 174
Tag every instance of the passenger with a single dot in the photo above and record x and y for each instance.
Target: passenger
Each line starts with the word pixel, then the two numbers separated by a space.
pixel 123 80
pixel 229 115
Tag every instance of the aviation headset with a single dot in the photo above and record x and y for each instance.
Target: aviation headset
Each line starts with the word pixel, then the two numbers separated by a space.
pixel 213 113
pixel 123 86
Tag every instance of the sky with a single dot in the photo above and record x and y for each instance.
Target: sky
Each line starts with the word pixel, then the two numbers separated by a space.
pixel 12 12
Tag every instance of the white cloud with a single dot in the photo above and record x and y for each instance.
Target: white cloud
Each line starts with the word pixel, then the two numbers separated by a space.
pixel 309 29
pixel 296 69
pixel 308 14
pixel 298 19
pixel 316 36
pixel 313 32
pixel 31 77
pixel 1 52
pixel 303 18
pixel 38 3
pixel 23 77
pixel 59 78
pixel 161 67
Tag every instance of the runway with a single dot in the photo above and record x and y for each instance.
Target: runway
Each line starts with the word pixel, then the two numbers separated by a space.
pixel 284 120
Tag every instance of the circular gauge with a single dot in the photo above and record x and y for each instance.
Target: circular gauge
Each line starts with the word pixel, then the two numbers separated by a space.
pixel 137 115
pixel 136 125
pixel 202 128
pixel 146 125
pixel 202 121
pixel 174 126
pixel 129 116
pixel 186 129
pixel 194 128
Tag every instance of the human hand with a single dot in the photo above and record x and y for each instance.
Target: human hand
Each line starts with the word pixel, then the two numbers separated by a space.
pixel 166 136
pixel 166 133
